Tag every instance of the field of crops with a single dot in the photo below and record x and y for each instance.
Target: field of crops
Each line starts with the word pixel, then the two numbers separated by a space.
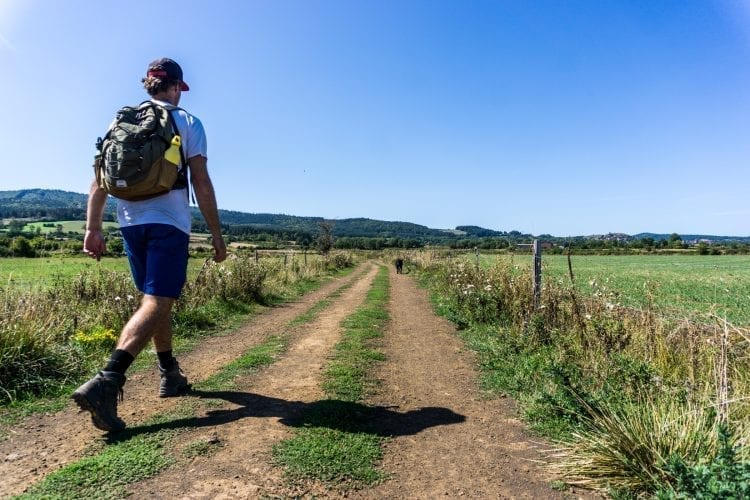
pixel 676 284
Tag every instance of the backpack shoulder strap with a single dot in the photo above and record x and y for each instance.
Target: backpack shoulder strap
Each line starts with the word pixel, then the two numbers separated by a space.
pixel 185 171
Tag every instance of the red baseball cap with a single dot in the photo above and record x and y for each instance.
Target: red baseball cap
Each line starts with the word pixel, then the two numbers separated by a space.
pixel 167 69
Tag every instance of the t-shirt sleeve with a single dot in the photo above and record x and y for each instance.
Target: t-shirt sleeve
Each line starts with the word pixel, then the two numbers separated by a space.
pixel 196 144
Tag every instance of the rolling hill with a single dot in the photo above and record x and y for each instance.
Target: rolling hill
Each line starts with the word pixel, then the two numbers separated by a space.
pixel 52 204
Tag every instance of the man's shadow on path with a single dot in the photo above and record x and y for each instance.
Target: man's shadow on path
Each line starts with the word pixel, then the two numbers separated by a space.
pixel 335 414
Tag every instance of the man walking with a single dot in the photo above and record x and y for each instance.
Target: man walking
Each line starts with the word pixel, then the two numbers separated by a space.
pixel 156 234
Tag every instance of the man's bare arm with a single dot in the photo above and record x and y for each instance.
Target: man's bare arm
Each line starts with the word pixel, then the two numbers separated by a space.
pixel 206 197
pixel 93 240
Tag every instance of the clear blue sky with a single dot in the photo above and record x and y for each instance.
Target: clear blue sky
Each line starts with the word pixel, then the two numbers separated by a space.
pixel 564 117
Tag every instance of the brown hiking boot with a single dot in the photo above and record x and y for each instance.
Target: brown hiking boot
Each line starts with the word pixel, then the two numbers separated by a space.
pixel 99 397
pixel 173 382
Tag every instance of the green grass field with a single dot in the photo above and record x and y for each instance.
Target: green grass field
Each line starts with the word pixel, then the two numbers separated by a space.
pixel 38 273
pixel 68 226
pixel 680 284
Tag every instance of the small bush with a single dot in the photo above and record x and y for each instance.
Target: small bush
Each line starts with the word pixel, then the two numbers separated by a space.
pixel 341 260
pixel 626 447
pixel 724 476
pixel 100 338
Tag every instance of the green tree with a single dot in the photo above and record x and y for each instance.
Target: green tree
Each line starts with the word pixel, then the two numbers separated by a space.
pixel 21 247
pixel 16 226
pixel 325 239
pixel 675 241
pixel 116 246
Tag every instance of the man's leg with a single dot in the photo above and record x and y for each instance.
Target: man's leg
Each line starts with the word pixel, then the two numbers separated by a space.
pixel 173 380
pixel 99 395
pixel 157 254
pixel 153 319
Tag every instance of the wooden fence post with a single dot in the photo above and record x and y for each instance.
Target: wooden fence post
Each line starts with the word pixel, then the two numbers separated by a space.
pixel 256 255
pixel 537 280
pixel 476 253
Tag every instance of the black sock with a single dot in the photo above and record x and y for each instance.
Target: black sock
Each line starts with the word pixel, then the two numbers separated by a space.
pixel 166 360
pixel 119 361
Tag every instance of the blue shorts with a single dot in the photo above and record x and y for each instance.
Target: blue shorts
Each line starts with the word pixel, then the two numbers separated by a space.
pixel 158 255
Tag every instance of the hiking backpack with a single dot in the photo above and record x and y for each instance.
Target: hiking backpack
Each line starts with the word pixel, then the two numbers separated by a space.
pixel 130 163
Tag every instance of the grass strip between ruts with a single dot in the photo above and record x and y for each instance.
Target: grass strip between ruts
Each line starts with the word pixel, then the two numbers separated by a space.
pixel 265 353
pixel 336 445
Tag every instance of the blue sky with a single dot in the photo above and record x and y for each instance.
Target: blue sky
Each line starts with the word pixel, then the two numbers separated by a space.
pixel 564 117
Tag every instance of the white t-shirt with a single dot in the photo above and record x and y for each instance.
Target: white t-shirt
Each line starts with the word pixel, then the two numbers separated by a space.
pixel 172 208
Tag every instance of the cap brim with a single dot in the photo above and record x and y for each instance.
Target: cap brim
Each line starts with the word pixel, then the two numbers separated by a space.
pixel 184 86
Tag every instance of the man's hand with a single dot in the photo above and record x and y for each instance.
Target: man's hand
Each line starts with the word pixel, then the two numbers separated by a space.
pixel 220 249
pixel 93 240
pixel 93 244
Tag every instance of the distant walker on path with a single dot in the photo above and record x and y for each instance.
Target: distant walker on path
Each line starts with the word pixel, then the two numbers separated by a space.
pixel 399 265
pixel 156 233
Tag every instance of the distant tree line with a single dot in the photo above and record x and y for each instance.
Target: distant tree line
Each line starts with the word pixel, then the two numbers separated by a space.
pixel 15 242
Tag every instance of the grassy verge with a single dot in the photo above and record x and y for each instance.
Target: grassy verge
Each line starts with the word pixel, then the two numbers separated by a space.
pixel 135 455
pixel 335 445
pixel 627 394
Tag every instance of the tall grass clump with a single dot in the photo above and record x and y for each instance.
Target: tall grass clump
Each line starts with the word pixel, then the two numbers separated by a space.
pixel 54 336
pixel 625 392
pixel 45 335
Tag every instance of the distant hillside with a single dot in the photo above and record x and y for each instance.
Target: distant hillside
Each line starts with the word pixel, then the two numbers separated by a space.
pixel 52 204
pixel 59 205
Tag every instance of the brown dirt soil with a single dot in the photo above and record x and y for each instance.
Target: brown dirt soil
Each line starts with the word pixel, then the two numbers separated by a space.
pixel 445 438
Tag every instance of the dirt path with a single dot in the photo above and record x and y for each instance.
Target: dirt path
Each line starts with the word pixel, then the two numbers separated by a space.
pixel 43 443
pixel 445 439
pixel 488 454
pixel 256 416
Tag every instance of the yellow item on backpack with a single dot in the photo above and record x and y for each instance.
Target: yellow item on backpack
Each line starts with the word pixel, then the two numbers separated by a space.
pixel 172 155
